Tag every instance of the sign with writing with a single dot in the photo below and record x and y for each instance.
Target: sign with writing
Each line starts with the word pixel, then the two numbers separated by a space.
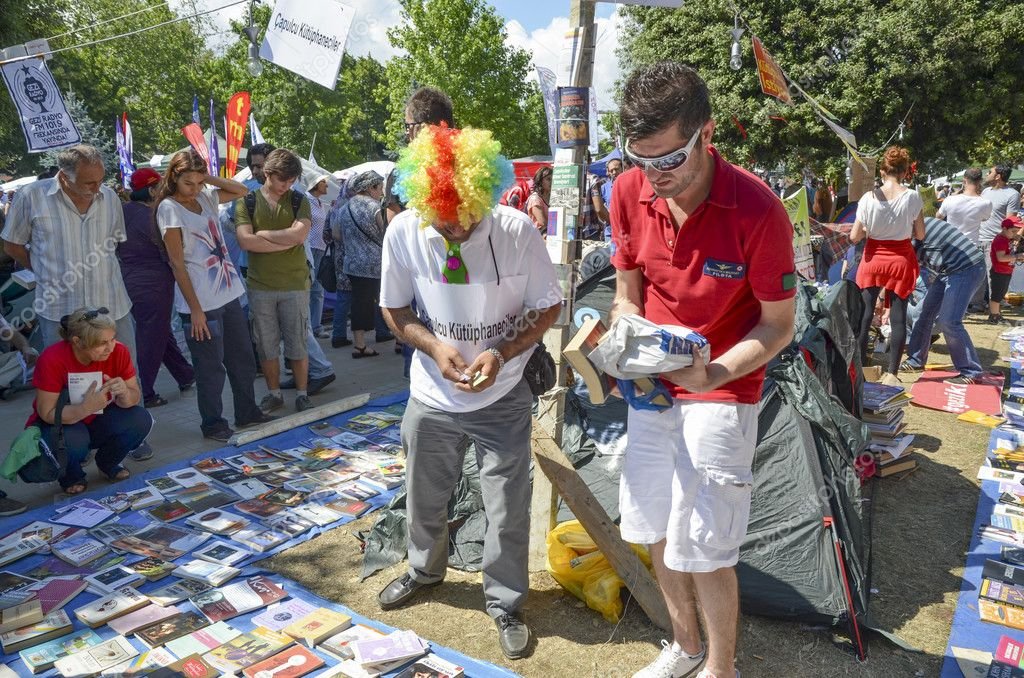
pixel 44 118
pixel 565 187
pixel 773 81
pixel 573 117
pixel 238 113
pixel 803 255
pixel 308 38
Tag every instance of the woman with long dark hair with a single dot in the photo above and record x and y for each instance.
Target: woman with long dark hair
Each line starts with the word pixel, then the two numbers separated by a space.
pixel 889 216
pixel 150 284
pixel 215 325
pixel 537 204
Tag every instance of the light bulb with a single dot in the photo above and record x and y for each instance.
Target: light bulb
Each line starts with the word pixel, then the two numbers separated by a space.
pixel 255 66
pixel 736 60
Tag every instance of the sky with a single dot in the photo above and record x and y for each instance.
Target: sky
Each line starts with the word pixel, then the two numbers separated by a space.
pixel 534 25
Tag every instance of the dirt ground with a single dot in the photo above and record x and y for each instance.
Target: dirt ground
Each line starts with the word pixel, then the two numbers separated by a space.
pixel 922 526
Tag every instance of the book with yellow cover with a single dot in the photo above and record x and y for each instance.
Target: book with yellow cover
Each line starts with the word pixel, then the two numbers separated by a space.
pixel 318 625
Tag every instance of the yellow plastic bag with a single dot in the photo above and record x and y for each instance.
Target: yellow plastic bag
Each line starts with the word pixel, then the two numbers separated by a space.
pixel 575 562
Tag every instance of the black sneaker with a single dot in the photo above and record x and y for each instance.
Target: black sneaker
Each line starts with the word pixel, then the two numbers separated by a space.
pixel 303 403
pixel 11 507
pixel 221 434
pixel 994 318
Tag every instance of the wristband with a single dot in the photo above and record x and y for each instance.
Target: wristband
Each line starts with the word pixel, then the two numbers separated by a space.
pixel 497 354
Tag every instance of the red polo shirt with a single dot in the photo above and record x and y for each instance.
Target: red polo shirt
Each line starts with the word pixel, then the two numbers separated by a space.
pixel 733 252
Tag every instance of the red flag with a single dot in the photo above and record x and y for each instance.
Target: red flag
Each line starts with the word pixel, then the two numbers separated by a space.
pixel 773 80
pixel 194 134
pixel 741 128
pixel 238 116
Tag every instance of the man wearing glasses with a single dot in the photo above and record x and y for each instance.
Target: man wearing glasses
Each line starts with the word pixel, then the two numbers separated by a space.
pixel 703 244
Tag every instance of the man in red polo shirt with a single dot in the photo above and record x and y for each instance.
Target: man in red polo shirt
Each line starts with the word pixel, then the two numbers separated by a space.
pixel 701 243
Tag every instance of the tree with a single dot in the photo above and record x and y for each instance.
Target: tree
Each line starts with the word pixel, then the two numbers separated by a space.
pixel 348 121
pixel 459 46
pixel 93 133
pixel 868 62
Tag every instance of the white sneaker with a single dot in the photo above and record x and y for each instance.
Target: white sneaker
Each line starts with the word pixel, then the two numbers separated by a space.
pixel 671 663
pixel 707 674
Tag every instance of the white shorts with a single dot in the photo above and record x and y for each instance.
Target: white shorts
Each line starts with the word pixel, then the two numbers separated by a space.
pixel 686 479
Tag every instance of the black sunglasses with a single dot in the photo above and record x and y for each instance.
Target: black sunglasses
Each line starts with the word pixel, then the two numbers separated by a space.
pixel 409 126
pixel 89 315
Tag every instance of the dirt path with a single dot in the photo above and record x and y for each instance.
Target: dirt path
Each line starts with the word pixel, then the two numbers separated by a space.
pixel 922 528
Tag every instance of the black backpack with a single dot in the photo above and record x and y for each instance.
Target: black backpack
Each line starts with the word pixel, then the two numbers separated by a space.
pixel 250 204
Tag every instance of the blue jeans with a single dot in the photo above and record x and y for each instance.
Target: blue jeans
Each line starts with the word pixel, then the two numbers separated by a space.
pixel 113 434
pixel 319 365
pixel 316 293
pixel 342 305
pixel 945 305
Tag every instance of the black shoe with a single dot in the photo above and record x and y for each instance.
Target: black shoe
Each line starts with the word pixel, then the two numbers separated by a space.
pixel 513 635
pixel 11 507
pixel 221 434
pixel 318 384
pixel 400 591
pixel 338 343
pixel 303 403
pixel 261 418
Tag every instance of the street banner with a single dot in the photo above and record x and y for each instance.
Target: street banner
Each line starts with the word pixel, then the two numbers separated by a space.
pixel 194 134
pixel 799 215
pixel 547 81
pixel 308 38
pixel 195 110
pixel 573 117
pixel 44 118
pixel 593 121
pixel 129 143
pixel 773 80
pixel 124 161
pixel 238 111
pixel 256 137
pixel 214 161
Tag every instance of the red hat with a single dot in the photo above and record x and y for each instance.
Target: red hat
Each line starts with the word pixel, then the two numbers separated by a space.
pixel 143 177
pixel 1012 221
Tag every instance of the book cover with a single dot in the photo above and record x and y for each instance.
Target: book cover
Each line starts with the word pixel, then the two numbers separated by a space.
pixel 164 485
pixel 239 598
pixel 102 610
pixel 203 640
pixel 41 657
pixel 391 648
pixel 258 507
pixel 52 566
pixel 95 659
pixel 317 514
pixel 339 645
pixel 222 552
pixel 119 502
pixel 291 663
pixel 1002 592
pixel 350 508
pixel 213 574
pixel 212 464
pixel 177 592
pixel 168 629
pixel 283 497
pixel 113 578
pixel 56 593
pixel 48 532
pixel 1004 572
pixel 187 477
pixel 29 612
pixel 1000 613
pixel 12 582
pixel 10 552
pixel 192 666
pixel 153 569
pixel 218 521
pixel 877 395
pixel 203 497
pixel 280 615
pixel 79 550
pixel 167 542
pixel 54 625
pixel 144 498
pixel 250 488
pixel 289 523
pixel 82 513
pixel 112 532
pixel 143 665
pixel 318 625
pixel 230 476
pixel 169 511
pixel 432 666
pixel 998 669
pixel 246 649
pixel 260 539
pixel 1010 651
pixel 145 616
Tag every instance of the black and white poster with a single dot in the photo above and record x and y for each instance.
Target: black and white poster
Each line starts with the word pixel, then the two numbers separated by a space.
pixel 43 116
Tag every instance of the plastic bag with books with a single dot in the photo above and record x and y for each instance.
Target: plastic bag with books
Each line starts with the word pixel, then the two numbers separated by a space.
pixel 576 564
pixel 634 347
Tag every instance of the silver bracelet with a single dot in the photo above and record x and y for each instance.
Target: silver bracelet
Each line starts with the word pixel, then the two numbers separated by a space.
pixel 497 354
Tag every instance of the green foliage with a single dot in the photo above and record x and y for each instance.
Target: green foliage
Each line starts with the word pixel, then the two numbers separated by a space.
pixel 459 47
pixel 867 61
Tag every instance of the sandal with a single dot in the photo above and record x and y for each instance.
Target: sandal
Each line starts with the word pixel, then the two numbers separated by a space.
pixel 364 352
pixel 77 487
pixel 155 401
pixel 120 473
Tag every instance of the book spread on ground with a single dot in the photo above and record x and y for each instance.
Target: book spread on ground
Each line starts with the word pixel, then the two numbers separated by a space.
pixel 41 657
pixel 318 625
pixel 177 592
pixel 400 645
pixel 246 649
pixel 239 598
pixel 218 521
pixel 144 664
pixel 120 602
pixel 167 542
pixel 10 552
pixel 97 658
pixel 222 553
pixel 113 578
pixel 291 663
pixel 54 594
pixel 80 550
pixel 52 626
pixel 204 571
pixel 279 615
pixel 152 569
pixel 145 616
pixel 168 629
pixel 203 640
pixel 192 666
pixel 29 612
pixel 432 666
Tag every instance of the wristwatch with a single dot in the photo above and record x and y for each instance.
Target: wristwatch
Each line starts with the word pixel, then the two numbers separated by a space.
pixel 497 354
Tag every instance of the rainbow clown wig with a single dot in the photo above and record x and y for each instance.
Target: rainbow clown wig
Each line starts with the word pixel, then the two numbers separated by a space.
pixel 453 176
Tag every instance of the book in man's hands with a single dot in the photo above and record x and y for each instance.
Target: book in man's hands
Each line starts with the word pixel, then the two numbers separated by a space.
pixel 599 385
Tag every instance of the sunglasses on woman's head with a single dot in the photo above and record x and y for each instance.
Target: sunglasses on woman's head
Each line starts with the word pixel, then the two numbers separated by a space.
pixel 669 161
pixel 87 316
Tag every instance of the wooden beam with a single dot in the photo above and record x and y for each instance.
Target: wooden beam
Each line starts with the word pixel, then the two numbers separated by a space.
pixel 556 466
pixel 300 419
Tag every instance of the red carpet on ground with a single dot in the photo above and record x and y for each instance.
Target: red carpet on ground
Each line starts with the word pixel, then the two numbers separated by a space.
pixel 932 392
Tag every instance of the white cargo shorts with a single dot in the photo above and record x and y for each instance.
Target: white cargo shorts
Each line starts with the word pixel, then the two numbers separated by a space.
pixel 686 479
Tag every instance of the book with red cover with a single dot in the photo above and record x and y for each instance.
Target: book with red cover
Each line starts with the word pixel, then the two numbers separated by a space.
pixel 1010 651
pixel 291 663
pixel 57 593
pixel 239 598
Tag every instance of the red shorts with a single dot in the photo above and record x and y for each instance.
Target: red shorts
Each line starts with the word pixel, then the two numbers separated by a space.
pixel 890 264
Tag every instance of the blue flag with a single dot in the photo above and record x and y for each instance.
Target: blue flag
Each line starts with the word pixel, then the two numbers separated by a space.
pixel 214 150
pixel 195 109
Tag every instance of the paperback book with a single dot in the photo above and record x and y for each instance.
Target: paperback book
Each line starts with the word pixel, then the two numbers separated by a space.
pixel 206 572
pixel 94 660
pixel 16 550
pixel 192 666
pixel 112 579
pixel 152 569
pixel 52 626
pixel 83 513
pixel 291 663
pixel 168 629
pixel 141 618
pixel 169 511
pixel 54 594
pixel 218 521
pixel 432 666
pixel 280 615
pixel 203 497
pixel 177 592
pixel 144 664
pixel 222 553
pixel 144 498
pixel 397 646
pixel 202 641
pixel 111 606
pixel 187 477
pixel 42 657
pixel 260 539
pixel 318 626
pixel 246 649
pixel 26 614
pixel 167 542
pixel 239 598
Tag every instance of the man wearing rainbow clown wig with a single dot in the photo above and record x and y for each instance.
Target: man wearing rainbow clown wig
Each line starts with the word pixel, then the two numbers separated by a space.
pixel 485 292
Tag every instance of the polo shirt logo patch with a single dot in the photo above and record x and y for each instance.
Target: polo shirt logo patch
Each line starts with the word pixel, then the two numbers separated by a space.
pixel 724 269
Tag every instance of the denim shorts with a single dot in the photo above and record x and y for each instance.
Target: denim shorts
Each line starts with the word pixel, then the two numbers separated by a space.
pixel 277 317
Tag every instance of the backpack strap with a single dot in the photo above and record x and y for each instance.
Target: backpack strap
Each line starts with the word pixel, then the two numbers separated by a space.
pixel 250 205
pixel 297 199
pixel 63 399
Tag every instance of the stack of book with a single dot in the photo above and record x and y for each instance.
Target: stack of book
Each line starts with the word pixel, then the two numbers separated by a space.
pixel 883 411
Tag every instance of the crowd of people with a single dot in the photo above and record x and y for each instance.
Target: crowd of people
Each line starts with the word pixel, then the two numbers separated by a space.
pixel 427 259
